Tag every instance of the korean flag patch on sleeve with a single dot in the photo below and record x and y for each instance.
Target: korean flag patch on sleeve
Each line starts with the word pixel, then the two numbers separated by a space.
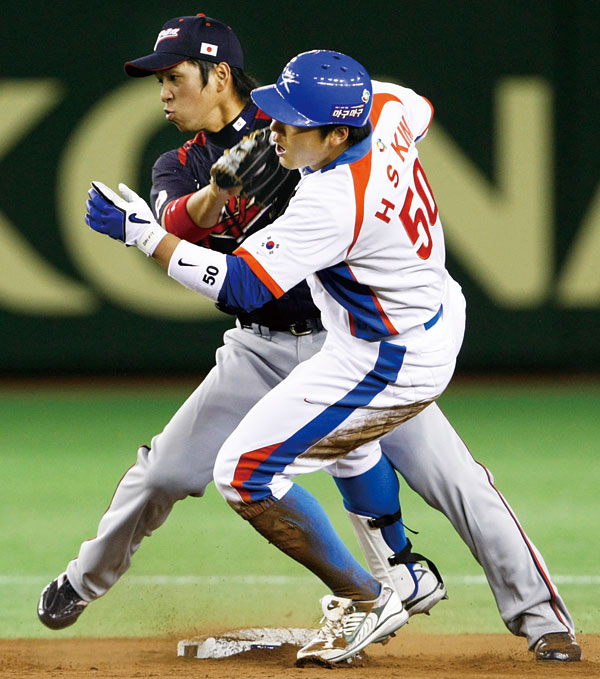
pixel 269 246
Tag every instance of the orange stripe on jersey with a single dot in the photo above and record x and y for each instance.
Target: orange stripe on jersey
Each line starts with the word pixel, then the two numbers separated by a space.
pixel 379 101
pixel 260 272
pixel 384 317
pixel 361 169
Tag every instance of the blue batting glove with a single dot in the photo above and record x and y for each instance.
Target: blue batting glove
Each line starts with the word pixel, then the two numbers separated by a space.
pixel 126 218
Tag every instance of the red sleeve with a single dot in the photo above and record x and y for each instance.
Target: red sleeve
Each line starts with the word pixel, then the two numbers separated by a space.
pixel 179 223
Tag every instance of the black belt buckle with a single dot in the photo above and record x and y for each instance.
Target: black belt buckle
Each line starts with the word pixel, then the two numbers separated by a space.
pixel 301 328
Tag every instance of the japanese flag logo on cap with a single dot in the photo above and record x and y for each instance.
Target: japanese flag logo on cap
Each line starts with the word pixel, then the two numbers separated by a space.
pixel 209 48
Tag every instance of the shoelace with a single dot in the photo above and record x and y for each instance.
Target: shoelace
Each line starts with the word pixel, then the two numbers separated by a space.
pixel 331 630
pixel 351 622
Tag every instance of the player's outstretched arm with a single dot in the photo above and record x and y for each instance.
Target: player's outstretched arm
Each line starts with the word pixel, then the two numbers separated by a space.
pixel 204 207
pixel 250 168
pixel 226 279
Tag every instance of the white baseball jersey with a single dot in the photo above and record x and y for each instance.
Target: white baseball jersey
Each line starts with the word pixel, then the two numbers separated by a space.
pixel 365 231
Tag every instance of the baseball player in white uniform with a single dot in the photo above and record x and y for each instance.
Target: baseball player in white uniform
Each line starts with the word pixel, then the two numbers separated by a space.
pixel 364 229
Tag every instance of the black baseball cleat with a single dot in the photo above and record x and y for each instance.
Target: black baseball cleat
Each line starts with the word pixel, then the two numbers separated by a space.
pixel 557 646
pixel 60 605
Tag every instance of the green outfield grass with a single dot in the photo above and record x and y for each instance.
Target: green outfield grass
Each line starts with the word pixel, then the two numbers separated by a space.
pixel 64 449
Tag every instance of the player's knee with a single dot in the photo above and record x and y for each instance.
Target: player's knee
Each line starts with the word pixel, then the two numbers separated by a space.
pixel 167 484
pixel 163 477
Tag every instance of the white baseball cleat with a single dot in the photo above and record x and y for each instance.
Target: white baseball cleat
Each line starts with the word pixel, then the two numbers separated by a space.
pixel 415 578
pixel 419 587
pixel 352 625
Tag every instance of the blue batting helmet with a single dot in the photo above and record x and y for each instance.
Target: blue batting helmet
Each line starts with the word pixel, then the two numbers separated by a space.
pixel 318 88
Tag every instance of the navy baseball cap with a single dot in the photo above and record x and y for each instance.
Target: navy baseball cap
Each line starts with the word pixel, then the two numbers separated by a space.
pixel 189 37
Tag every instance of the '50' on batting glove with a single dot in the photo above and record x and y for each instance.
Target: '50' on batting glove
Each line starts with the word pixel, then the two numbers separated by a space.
pixel 128 219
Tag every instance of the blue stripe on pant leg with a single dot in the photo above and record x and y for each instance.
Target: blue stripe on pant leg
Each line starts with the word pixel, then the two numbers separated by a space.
pixel 386 369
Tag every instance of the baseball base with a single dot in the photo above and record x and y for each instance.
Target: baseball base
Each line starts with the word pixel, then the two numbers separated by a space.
pixel 238 641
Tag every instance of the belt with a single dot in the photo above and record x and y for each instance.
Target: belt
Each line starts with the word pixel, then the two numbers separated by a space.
pixel 310 325
pixel 305 327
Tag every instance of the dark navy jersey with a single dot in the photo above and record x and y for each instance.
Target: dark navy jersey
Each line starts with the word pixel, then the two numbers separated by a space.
pixel 185 170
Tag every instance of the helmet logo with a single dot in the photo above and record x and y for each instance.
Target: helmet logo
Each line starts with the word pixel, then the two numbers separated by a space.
pixel 343 112
pixel 366 95
pixel 288 77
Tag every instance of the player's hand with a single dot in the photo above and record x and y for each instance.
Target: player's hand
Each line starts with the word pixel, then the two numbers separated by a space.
pixel 126 218
pixel 122 218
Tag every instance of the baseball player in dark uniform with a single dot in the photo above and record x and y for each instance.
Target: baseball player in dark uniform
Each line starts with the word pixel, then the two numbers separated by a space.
pixel 199 64
pixel 258 354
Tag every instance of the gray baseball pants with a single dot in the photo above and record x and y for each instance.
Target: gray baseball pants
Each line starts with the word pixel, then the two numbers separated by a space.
pixel 426 451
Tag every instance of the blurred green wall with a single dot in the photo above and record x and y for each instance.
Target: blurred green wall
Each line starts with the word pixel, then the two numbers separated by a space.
pixel 512 157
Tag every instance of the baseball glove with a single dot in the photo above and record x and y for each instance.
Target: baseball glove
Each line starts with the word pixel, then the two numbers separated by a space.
pixel 253 164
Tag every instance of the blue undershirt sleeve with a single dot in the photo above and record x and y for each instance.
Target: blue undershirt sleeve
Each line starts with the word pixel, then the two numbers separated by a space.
pixel 241 289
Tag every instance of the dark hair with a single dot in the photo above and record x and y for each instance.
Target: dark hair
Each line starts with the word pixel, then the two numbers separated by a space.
pixel 243 83
pixel 355 134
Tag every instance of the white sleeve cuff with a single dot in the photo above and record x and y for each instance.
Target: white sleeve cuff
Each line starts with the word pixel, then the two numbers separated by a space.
pixel 150 238
pixel 198 269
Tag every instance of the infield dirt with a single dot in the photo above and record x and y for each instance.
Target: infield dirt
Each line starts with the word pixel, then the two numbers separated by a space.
pixel 471 656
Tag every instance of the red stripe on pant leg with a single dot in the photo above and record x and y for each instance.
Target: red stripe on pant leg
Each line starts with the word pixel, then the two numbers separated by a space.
pixel 543 574
pixel 245 467
pixel 541 571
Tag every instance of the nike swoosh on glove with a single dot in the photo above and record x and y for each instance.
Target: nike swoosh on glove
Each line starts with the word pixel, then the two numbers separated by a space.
pixel 126 217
